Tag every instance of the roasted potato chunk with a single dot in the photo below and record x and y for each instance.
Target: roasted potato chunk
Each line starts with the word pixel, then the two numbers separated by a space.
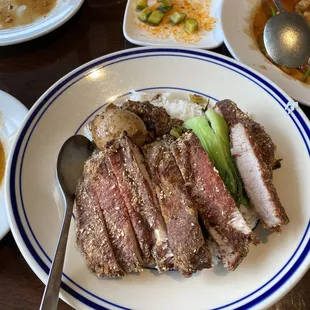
pixel 111 123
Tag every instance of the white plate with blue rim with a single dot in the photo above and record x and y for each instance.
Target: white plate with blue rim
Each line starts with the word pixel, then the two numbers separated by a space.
pixel 35 208
pixel 12 114
pixel 61 13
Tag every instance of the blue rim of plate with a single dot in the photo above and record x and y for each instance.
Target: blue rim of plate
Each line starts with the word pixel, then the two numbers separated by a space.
pixel 48 98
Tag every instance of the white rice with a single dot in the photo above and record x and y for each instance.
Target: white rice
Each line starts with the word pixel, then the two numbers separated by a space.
pixel 178 108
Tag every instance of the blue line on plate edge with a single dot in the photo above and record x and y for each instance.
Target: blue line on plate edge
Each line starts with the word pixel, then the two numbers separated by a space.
pixel 14 205
pixel 169 55
pixel 141 90
pixel 30 227
pixel 35 238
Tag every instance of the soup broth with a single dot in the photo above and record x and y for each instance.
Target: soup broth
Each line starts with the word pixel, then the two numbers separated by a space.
pixel 262 15
pixel 15 13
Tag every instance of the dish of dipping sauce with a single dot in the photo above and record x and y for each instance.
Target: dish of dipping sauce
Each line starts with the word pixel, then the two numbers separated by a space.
pixel 2 162
pixel 15 13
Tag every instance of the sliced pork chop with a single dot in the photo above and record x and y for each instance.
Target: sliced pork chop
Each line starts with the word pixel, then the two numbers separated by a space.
pixel 115 214
pixel 254 150
pixel 184 233
pixel 91 234
pixel 217 208
pixel 223 252
pixel 149 207
pixel 130 192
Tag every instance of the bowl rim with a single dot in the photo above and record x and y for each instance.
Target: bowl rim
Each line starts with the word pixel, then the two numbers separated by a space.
pixel 282 79
pixel 40 27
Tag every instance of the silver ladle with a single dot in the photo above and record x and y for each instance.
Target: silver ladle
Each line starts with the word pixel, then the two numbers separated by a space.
pixel 287 38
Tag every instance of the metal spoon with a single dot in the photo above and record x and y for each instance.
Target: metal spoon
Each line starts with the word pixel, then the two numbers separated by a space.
pixel 70 162
pixel 287 38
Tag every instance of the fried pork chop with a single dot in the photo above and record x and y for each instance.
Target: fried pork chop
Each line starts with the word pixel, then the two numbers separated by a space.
pixel 217 208
pixel 254 151
pixel 168 205
pixel 156 119
pixel 137 189
pixel 184 233
pixel 112 212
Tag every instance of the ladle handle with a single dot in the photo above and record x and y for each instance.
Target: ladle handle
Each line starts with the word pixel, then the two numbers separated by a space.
pixel 279 5
pixel 51 292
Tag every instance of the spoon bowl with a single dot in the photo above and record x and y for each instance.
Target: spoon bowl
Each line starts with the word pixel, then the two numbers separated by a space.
pixel 72 156
pixel 70 163
pixel 287 38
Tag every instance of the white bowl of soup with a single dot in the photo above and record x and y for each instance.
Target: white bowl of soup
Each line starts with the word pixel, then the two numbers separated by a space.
pixel 12 114
pixel 243 38
pixel 24 20
pixel 19 13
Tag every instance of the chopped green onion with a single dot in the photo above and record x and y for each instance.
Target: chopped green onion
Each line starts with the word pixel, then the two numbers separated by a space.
pixel 305 77
pixel 273 10
pixel 176 132
pixel 197 98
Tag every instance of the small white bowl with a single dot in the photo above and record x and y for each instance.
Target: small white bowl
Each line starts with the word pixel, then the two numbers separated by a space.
pixel 134 34
pixel 239 41
pixel 12 114
pixel 63 11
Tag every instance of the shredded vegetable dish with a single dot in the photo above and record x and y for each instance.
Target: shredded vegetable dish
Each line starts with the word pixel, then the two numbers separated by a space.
pixel 265 11
pixel 185 20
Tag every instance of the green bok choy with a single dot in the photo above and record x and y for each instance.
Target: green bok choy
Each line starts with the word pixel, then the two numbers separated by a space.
pixel 213 133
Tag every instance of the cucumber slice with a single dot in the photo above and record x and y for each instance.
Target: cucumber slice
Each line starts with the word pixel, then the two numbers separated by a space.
pixel 155 18
pixel 141 4
pixel 177 18
pixel 165 3
pixel 144 14
pixel 164 9
pixel 191 25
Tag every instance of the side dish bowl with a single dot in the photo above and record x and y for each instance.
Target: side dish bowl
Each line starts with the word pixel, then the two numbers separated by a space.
pixel 62 12
pixel 12 114
pixel 238 37
pixel 136 34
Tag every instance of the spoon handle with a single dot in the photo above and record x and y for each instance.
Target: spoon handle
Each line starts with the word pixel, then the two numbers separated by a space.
pixel 279 5
pixel 51 292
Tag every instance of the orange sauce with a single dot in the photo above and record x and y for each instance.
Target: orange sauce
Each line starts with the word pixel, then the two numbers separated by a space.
pixel 197 9
pixel 260 19
pixel 2 162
